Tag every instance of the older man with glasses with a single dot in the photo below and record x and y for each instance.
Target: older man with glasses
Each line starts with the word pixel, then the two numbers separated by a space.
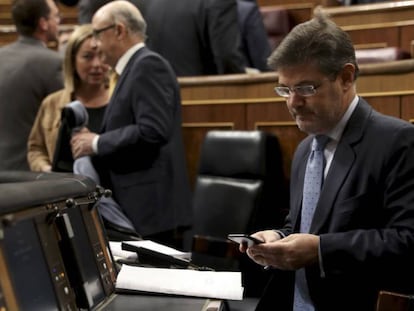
pixel 139 152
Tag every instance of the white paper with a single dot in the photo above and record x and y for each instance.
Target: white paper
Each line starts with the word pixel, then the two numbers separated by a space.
pixel 209 284
pixel 118 252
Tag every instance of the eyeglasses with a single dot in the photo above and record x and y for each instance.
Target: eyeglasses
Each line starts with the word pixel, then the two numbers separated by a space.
pixel 97 32
pixel 301 90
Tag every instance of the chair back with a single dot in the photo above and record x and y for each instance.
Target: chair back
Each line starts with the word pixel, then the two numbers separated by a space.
pixel 240 188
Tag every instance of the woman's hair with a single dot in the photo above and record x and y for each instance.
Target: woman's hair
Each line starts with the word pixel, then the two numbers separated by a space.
pixel 318 41
pixel 78 36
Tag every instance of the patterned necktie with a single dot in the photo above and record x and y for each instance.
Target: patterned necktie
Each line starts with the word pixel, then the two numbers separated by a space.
pixel 313 181
pixel 311 190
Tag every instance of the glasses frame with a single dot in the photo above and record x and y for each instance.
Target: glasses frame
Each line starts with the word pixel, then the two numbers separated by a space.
pixel 97 32
pixel 301 90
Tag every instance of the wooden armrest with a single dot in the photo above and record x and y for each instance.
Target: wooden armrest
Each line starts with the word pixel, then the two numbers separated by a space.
pixel 388 301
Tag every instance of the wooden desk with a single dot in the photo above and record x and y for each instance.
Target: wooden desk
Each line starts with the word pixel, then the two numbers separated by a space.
pixel 377 24
pixel 69 14
pixel 133 302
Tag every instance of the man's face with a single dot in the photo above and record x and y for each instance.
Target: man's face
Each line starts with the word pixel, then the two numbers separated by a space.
pixel 319 112
pixel 53 21
pixel 105 38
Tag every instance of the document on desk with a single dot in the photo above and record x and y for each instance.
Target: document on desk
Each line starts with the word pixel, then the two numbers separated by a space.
pixel 117 251
pixel 187 282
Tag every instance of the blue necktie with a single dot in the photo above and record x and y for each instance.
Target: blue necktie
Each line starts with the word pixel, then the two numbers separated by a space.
pixel 311 189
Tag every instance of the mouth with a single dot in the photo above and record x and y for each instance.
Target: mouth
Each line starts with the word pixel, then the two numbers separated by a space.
pixel 303 116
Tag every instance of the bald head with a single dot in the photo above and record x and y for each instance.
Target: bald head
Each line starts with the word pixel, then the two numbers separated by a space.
pixel 125 13
pixel 118 26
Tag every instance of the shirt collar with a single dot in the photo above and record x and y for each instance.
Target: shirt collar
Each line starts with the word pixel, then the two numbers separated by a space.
pixel 336 132
pixel 123 61
pixel 31 41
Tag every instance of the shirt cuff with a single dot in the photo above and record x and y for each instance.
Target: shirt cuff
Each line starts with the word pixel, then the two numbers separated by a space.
pixel 320 260
pixel 95 144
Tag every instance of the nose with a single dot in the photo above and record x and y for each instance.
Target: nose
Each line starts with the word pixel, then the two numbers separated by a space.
pixel 97 60
pixel 96 41
pixel 295 100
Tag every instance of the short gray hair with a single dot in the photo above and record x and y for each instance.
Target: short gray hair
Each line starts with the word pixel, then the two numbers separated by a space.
pixel 319 41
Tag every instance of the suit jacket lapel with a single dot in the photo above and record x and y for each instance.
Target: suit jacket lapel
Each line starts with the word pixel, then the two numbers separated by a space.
pixel 342 163
pixel 297 199
pixel 115 92
pixel 344 159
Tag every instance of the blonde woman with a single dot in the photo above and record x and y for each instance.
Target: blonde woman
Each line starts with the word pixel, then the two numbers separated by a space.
pixel 85 80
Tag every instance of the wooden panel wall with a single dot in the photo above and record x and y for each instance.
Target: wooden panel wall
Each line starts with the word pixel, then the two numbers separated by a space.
pixel 8 32
pixel 69 14
pixel 377 24
pixel 248 102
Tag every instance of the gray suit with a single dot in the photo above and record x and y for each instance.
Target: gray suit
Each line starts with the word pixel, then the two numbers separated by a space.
pixel 28 73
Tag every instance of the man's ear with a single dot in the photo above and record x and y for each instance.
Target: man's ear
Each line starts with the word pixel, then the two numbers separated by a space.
pixel 120 31
pixel 43 24
pixel 347 75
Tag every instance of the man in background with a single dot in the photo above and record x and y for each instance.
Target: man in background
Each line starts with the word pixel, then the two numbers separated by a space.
pixel 197 37
pixel 254 45
pixel 139 153
pixel 29 71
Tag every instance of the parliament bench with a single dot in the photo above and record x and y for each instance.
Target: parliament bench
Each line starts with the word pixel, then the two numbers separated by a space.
pixel 69 14
pixel 248 102
pixel 376 25
pixel 8 34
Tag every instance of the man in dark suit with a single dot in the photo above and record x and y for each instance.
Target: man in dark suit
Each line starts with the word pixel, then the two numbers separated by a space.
pixel 360 237
pixel 255 45
pixel 139 152
pixel 197 37
pixel 29 71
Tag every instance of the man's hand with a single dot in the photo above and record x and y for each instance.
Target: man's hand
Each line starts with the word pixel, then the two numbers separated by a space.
pixel 290 253
pixel 266 236
pixel 81 143
pixel 47 168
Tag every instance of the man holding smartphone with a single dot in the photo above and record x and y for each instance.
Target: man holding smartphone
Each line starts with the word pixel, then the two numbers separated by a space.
pixel 360 236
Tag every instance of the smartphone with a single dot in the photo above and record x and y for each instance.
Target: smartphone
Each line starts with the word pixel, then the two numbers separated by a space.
pixel 243 238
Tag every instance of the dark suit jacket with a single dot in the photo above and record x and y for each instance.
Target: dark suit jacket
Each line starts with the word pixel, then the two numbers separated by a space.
pixel 254 42
pixel 28 73
pixel 198 37
pixel 365 215
pixel 86 8
pixel 141 148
